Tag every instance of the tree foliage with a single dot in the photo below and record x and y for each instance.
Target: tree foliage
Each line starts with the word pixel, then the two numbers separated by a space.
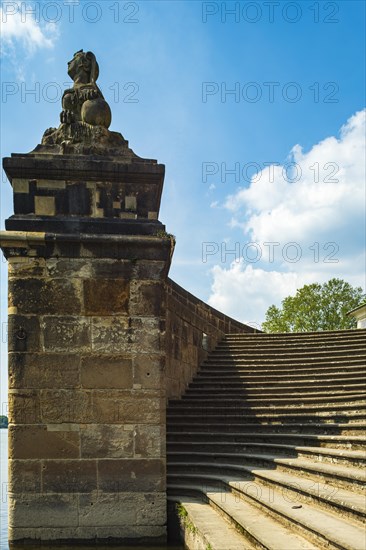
pixel 3 421
pixel 316 307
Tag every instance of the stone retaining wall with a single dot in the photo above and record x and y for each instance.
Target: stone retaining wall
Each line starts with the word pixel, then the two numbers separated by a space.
pixel 193 328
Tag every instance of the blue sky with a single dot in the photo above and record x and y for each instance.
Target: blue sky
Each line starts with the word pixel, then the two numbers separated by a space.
pixel 258 116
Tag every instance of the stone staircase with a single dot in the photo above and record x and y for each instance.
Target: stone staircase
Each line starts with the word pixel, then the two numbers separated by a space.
pixel 267 447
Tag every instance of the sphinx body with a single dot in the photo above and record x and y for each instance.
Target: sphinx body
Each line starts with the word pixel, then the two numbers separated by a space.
pixel 85 116
pixel 84 102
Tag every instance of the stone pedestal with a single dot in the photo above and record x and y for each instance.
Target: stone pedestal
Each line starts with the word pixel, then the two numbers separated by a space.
pixel 88 259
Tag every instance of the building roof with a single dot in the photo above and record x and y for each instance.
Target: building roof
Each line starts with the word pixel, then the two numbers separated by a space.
pixel 357 309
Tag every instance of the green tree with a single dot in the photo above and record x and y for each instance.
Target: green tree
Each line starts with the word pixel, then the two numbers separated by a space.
pixel 316 307
pixel 3 421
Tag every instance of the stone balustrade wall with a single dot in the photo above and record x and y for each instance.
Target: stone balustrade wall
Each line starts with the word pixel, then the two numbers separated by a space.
pixel 193 328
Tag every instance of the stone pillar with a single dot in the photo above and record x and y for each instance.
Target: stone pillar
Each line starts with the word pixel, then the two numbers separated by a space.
pixel 87 264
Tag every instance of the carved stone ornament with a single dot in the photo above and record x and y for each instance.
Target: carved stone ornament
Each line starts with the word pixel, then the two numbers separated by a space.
pixel 85 117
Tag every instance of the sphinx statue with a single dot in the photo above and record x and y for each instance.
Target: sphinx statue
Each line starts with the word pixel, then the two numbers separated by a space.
pixel 85 117
pixel 84 101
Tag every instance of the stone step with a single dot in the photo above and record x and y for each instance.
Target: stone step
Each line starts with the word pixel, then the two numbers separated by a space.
pixel 283 364
pixel 244 377
pixel 341 393
pixel 354 458
pixel 337 391
pixel 235 399
pixel 205 528
pixel 304 490
pixel 310 339
pixel 280 390
pixel 266 414
pixel 262 532
pixel 326 335
pixel 280 371
pixel 283 414
pixel 298 350
pixel 294 489
pixel 298 377
pixel 321 428
pixel 286 352
pixel 240 398
pixel 317 528
pixel 345 344
pixel 296 439
pixel 293 355
pixel 304 339
pixel 278 340
pixel 228 380
pixel 276 373
pixel 351 479
pixel 286 379
pixel 213 421
pixel 241 390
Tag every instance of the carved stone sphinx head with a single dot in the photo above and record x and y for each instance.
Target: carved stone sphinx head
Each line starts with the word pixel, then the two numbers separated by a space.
pixel 83 68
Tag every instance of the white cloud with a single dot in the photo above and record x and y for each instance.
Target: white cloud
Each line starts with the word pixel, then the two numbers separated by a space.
pixel 323 213
pixel 245 292
pixel 327 198
pixel 19 27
